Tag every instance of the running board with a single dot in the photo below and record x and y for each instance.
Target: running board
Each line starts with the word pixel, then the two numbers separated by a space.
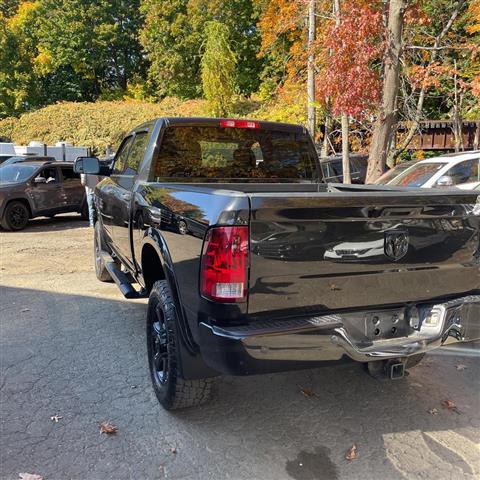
pixel 123 280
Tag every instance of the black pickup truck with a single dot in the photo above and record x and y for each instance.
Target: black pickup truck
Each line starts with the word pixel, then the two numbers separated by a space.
pixel 253 264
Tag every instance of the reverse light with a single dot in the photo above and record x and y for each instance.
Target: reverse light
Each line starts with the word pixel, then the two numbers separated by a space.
pixel 239 124
pixel 224 267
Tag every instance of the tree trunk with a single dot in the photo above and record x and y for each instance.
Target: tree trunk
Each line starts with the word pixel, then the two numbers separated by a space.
pixel 326 137
pixel 311 70
pixel 457 119
pixel 476 140
pixel 344 116
pixel 345 150
pixel 387 116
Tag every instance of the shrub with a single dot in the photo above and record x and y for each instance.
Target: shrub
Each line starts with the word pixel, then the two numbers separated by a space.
pixel 96 125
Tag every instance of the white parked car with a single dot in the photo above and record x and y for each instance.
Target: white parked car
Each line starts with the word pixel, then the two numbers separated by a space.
pixel 460 170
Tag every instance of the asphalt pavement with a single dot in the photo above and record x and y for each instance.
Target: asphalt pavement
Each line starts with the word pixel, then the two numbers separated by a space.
pixel 73 355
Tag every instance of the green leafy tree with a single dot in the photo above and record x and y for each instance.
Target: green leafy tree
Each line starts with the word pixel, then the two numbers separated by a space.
pixel 8 7
pixel 173 39
pixel 93 43
pixel 218 69
pixel 18 87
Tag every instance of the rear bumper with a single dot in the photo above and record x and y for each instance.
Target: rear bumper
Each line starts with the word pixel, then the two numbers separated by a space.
pixel 278 345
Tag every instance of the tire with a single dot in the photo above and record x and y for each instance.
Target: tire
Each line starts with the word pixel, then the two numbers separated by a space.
pixel 16 216
pixel 172 391
pixel 99 245
pixel 414 360
pixel 182 227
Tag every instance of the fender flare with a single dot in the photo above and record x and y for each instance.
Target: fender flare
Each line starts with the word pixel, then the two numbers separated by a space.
pixel 192 365
pixel 155 239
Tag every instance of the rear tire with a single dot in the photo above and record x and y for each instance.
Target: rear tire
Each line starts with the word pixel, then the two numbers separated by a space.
pixel 16 216
pixel 99 245
pixel 172 391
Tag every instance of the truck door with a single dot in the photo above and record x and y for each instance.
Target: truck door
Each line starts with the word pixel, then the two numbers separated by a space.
pixel 123 196
pixel 109 191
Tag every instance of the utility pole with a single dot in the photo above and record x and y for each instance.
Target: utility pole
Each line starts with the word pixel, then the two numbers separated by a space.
pixel 311 69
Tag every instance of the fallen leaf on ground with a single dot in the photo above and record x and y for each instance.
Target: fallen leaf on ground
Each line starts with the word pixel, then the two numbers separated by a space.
pixel 352 453
pixel 30 476
pixel 55 418
pixel 433 411
pixel 306 392
pixel 460 367
pixel 449 404
pixel 173 450
pixel 107 427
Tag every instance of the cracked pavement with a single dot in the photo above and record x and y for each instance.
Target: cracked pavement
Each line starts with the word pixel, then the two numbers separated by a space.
pixel 73 347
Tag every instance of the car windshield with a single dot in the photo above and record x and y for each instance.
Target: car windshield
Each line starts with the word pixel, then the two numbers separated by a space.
pixel 417 175
pixel 391 174
pixel 16 173
pixel 13 160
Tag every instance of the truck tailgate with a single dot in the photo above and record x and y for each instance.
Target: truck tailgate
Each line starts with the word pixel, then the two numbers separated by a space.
pixel 341 250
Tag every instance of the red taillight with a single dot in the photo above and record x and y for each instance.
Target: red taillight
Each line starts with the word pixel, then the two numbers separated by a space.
pixel 224 269
pixel 239 124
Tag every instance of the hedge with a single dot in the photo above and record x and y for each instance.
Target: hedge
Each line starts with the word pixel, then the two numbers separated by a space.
pixel 96 125
pixel 104 123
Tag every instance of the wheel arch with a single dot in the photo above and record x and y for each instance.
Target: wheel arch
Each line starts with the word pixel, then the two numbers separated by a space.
pixel 157 264
pixel 21 200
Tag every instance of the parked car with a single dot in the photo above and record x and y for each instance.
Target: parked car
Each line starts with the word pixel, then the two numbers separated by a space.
pixel 332 168
pixel 4 158
pixel 394 172
pixel 26 158
pixel 39 188
pixel 266 283
pixel 459 170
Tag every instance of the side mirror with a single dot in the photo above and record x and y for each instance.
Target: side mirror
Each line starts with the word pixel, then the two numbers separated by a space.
pixel 88 165
pixel 39 180
pixel 445 181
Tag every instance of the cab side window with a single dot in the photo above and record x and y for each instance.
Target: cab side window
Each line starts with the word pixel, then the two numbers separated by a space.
pixel 137 152
pixel 121 157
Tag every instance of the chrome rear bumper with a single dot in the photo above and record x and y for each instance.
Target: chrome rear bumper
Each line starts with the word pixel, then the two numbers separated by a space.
pixel 335 337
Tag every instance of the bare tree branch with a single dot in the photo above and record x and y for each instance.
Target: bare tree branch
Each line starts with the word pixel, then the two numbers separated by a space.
pixel 421 98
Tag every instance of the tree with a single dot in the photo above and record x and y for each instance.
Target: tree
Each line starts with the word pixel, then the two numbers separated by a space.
pixel 385 124
pixel 96 41
pixel 173 39
pixel 348 80
pixel 422 76
pixel 18 87
pixel 218 69
pixel 8 7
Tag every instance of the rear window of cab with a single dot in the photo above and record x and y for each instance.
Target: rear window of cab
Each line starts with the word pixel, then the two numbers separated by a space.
pixel 212 152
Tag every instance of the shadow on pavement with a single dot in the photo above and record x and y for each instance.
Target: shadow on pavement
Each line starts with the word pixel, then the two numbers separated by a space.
pixel 59 222
pixel 84 358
